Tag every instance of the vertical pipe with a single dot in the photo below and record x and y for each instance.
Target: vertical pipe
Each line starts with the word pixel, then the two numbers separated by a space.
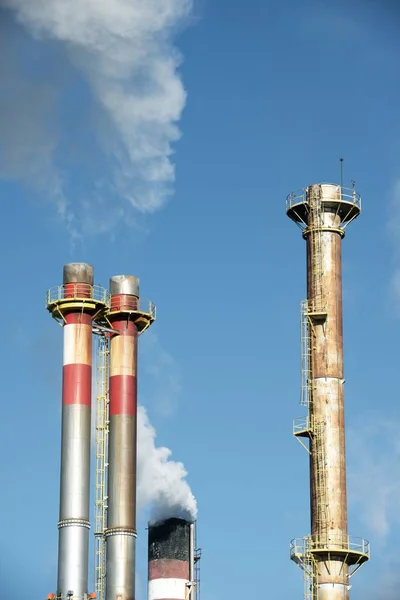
pixel 169 560
pixel 73 545
pixel 121 515
pixel 327 459
pixel 329 556
pixel 191 555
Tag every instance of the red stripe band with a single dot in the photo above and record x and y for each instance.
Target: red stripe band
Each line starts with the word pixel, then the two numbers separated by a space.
pixel 78 317
pixel 165 568
pixel 77 384
pixel 123 395
pixel 78 290
pixel 121 302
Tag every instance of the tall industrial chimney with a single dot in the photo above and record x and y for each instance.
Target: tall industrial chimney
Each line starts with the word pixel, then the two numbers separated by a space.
pixel 171 560
pixel 74 305
pixel 128 316
pixel 329 556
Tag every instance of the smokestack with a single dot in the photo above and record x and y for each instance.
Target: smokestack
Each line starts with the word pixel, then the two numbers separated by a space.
pixel 74 304
pixel 170 557
pixel 129 316
pixel 329 556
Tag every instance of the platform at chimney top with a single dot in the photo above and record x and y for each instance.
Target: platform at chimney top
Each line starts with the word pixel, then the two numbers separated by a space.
pixel 90 298
pixel 353 551
pixel 332 198
pixel 141 311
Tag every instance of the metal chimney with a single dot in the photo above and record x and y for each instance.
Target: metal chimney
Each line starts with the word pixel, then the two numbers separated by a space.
pixel 170 554
pixel 73 305
pixel 329 556
pixel 129 316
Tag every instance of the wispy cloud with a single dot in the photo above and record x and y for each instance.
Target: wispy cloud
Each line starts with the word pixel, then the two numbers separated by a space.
pixel 125 53
pixel 29 132
pixel 374 474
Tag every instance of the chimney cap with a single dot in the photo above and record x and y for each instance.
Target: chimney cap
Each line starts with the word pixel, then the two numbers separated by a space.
pixel 124 284
pixel 78 273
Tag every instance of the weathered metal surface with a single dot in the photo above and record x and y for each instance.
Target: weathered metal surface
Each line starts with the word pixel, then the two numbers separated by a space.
pixel 345 202
pixel 169 539
pixel 123 348
pixel 73 552
pixel 78 273
pixel 333 591
pixel 327 459
pixel 169 553
pixel 328 557
pixel 121 516
pixel 170 588
pixel 124 285
pixel 122 472
pixel 73 544
pixel 165 568
pixel 120 569
pixel 77 340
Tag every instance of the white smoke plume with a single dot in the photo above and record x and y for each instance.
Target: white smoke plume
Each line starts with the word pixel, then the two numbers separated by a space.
pixel 124 49
pixel 162 484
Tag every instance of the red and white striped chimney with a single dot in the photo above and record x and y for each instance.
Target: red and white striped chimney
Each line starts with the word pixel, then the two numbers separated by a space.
pixel 74 305
pixel 169 554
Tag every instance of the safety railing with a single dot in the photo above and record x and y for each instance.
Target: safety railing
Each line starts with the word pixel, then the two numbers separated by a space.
pixel 71 596
pixel 151 308
pixel 345 195
pixel 138 305
pixel 330 543
pixel 299 546
pixel 77 291
pixel 301 424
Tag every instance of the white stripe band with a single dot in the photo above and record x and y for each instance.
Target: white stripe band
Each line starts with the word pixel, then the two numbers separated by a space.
pixel 333 591
pixel 123 360
pixel 77 344
pixel 169 589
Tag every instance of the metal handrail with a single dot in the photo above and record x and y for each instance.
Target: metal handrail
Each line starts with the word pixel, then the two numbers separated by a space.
pixel 301 424
pixel 346 543
pixel 348 195
pixel 85 292
pixel 71 597
pixel 141 305
pixel 77 291
pixel 151 307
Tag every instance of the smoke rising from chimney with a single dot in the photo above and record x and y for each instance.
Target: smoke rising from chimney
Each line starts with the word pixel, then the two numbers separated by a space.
pixel 124 50
pixel 161 482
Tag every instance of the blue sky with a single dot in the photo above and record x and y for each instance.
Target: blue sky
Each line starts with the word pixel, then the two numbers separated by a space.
pixel 276 93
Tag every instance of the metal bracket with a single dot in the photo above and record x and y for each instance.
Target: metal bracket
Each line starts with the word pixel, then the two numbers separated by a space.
pixel 100 330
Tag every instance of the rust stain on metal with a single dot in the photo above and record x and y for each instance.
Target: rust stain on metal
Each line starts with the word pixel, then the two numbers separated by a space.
pixel 328 557
pixel 327 459
pixel 123 351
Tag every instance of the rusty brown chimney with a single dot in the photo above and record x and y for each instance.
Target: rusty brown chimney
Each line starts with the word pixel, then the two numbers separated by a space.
pixel 329 556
